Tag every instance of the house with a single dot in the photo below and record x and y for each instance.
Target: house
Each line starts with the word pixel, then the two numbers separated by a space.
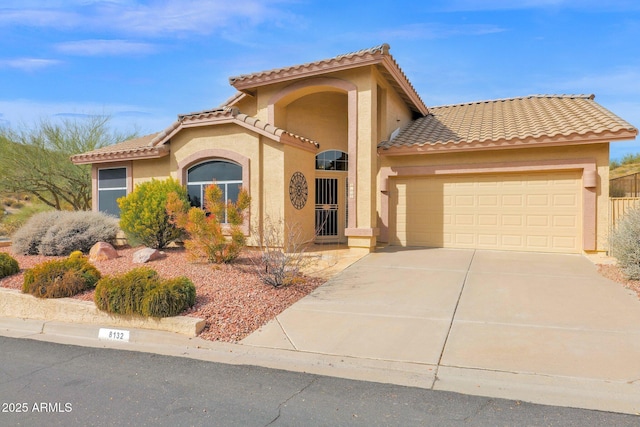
pixel 345 148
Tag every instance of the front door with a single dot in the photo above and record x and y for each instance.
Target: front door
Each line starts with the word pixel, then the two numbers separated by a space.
pixel 330 209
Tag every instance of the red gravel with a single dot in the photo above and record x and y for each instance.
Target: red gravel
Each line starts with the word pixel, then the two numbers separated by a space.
pixel 612 272
pixel 230 298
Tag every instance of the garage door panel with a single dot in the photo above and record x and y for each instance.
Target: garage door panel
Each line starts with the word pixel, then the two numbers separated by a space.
pixel 532 211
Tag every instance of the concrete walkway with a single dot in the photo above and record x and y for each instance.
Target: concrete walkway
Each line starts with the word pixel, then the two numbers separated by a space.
pixel 507 324
pixel 541 328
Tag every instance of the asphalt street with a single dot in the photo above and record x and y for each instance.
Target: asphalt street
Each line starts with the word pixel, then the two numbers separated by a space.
pixel 51 384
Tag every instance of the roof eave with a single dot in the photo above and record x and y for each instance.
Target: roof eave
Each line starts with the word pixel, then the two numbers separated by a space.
pixel 508 144
pixel 392 68
pixel 137 154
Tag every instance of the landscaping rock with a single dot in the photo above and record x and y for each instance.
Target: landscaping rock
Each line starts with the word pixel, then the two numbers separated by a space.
pixel 145 255
pixel 102 251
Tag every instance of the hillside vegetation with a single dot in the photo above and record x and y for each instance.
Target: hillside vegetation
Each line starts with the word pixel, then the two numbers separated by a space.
pixel 629 164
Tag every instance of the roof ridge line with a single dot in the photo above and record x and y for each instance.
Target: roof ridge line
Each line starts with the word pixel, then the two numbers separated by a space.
pixel 517 98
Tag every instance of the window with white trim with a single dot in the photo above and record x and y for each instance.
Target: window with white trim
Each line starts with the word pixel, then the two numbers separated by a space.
pixel 225 174
pixel 112 184
pixel 332 160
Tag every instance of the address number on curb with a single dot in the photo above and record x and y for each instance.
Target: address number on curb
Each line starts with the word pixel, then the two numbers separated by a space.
pixel 113 335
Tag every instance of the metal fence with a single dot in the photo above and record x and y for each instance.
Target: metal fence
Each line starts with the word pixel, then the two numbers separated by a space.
pixel 625 186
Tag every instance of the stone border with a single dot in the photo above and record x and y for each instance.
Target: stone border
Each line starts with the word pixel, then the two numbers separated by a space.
pixel 15 304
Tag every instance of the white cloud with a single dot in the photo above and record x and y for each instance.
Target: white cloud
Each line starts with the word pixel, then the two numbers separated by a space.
pixel 105 48
pixel 28 64
pixel 155 18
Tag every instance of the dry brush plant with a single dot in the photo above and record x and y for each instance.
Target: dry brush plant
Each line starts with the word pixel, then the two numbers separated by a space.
pixel 624 244
pixel 59 233
pixel 282 253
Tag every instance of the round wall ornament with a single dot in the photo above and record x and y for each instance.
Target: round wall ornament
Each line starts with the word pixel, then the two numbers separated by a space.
pixel 298 190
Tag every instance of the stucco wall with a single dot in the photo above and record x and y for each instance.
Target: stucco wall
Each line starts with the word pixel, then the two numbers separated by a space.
pixel 321 117
pixel 144 170
pixel 598 152
pixel 297 160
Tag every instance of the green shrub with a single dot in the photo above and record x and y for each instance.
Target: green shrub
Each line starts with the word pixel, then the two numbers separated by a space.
pixel 624 244
pixel 123 294
pixel 169 298
pixel 61 278
pixel 8 265
pixel 58 233
pixel 141 291
pixel 143 215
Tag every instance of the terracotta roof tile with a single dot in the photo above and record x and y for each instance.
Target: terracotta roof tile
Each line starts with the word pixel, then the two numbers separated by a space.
pixel 546 117
pixel 378 56
pixel 153 145
pixel 137 147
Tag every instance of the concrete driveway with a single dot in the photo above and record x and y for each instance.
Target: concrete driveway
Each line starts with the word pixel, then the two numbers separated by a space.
pixel 478 322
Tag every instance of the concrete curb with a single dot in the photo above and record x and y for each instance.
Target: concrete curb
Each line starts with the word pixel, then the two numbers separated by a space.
pixel 586 393
pixel 15 304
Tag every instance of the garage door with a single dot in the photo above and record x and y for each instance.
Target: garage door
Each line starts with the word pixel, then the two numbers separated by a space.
pixel 530 212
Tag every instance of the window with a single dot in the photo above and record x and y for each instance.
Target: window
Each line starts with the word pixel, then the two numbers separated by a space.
pixel 112 184
pixel 332 160
pixel 226 175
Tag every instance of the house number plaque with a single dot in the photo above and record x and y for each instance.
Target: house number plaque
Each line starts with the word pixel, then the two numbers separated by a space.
pixel 298 190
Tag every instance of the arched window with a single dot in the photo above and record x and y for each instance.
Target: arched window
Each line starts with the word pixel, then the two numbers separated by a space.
pixel 332 160
pixel 226 175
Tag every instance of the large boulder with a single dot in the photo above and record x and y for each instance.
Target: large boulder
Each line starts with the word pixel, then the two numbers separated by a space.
pixel 145 255
pixel 102 251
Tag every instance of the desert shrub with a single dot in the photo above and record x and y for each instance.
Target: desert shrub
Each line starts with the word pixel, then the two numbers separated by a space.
pixel 143 215
pixel 282 253
pixel 8 265
pixel 616 191
pixel 169 298
pixel 78 231
pixel 10 224
pixel 26 241
pixel 141 291
pixel 123 294
pixel 61 277
pixel 206 237
pixel 62 232
pixel 624 244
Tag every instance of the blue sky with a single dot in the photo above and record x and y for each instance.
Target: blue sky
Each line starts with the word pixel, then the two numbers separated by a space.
pixel 144 62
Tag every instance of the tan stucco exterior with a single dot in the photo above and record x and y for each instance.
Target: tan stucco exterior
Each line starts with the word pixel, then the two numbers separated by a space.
pixel 358 104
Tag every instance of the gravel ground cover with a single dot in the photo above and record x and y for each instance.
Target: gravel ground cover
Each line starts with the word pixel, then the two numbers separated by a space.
pixel 612 272
pixel 230 298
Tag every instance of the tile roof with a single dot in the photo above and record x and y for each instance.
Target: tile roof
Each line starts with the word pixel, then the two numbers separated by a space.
pixel 134 148
pixel 504 122
pixel 378 56
pixel 154 145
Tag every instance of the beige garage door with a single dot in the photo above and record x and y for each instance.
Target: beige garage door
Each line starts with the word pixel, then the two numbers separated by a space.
pixel 530 212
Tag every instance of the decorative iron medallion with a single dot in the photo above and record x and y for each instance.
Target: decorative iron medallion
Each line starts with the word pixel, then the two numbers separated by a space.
pixel 298 190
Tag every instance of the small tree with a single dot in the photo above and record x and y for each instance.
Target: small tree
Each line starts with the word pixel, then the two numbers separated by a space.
pixel 36 161
pixel 207 240
pixel 143 213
